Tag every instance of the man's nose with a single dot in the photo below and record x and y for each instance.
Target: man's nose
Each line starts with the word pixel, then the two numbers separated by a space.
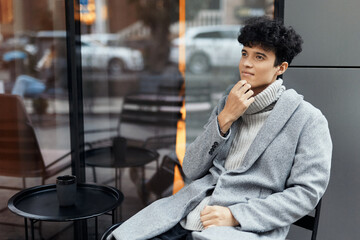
pixel 247 62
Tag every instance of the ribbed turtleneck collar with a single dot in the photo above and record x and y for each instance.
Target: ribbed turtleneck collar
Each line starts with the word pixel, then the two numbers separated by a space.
pixel 266 97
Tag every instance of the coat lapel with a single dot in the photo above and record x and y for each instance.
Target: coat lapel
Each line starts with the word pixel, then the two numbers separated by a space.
pixel 284 108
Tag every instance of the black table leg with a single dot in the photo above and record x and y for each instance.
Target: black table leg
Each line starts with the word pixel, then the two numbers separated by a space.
pixel 118 177
pixel 143 187
pixel 32 229
pixel 96 228
pixel 26 229
pixel 94 174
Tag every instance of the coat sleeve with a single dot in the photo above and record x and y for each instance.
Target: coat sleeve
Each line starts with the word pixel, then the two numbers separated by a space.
pixel 200 154
pixel 305 186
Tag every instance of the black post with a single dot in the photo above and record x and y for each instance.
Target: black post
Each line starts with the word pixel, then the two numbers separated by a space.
pixel 75 102
pixel 279 8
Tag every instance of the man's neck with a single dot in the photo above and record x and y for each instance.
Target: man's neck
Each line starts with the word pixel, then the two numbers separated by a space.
pixel 259 89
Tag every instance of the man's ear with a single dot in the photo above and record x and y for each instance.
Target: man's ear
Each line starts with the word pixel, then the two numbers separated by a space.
pixel 282 68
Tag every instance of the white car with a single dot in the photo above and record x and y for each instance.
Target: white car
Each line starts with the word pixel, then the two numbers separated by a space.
pixel 208 46
pixel 97 56
pixel 115 60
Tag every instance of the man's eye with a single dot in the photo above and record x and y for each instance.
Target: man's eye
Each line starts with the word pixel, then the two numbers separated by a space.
pixel 243 54
pixel 259 57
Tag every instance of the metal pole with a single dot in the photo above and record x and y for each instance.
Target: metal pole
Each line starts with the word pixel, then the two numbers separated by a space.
pixel 279 7
pixel 75 102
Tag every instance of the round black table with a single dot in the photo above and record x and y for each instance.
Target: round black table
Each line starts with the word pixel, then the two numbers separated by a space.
pixel 41 204
pixel 133 157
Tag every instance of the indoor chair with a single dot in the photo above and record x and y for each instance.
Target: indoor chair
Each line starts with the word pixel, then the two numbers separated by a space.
pixel 147 119
pixel 20 154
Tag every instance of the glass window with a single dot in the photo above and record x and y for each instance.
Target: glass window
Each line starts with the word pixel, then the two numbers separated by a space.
pixel 148 88
pixel 132 98
pixel 35 130
pixel 210 35
pixel 230 34
pixel 213 67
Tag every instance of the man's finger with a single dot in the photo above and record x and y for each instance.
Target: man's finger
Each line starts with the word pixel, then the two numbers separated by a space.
pixel 206 210
pixel 207 223
pixel 239 84
pixel 245 88
pixel 251 100
pixel 248 94
pixel 210 226
pixel 205 217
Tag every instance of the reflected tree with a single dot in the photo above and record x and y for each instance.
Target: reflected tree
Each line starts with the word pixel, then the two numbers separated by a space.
pixel 158 16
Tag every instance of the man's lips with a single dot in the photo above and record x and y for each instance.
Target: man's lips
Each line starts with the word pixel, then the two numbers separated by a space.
pixel 247 74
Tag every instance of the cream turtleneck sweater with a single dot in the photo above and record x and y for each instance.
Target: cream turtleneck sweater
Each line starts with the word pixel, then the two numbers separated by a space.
pixel 252 120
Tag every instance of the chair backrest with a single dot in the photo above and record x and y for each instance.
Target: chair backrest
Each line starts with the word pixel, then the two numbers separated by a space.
pixel 310 222
pixel 151 109
pixel 20 154
pixel 146 115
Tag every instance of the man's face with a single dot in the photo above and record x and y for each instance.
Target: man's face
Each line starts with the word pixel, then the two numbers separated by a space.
pixel 257 67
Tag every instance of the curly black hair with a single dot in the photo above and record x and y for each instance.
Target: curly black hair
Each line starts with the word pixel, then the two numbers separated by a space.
pixel 271 34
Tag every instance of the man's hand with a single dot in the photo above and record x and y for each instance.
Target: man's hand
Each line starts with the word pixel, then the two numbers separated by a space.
pixel 239 99
pixel 217 216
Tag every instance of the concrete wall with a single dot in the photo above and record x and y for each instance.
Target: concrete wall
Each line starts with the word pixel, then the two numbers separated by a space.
pixel 327 73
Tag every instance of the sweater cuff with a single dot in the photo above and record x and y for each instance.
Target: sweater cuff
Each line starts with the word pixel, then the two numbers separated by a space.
pixel 223 136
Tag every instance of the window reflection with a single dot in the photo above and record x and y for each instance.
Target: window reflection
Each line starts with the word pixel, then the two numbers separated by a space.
pixel 209 47
pixel 33 66
pixel 212 53
pixel 151 30
pixel 130 65
pixel 133 92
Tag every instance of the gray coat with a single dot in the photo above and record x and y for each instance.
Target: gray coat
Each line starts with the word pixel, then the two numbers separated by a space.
pixel 283 176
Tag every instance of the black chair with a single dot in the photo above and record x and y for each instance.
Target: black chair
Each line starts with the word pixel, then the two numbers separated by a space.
pixel 161 183
pixel 147 120
pixel 20 154
pixel 109 231
pixel 310 222
pixel 148 117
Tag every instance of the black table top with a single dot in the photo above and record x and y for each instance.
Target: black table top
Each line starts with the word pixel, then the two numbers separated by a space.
pixel 134 157
pixel 41 203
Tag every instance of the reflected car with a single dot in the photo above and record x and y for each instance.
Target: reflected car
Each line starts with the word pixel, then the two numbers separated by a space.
pixel 108 39
pixel 97 56
pixel 115 60
pixel 208 46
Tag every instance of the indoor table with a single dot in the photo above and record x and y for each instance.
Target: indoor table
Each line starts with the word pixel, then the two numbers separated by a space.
pixel 40 203
pixel 133 157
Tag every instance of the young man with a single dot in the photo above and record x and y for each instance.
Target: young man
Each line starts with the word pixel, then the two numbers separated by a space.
pixel 262 162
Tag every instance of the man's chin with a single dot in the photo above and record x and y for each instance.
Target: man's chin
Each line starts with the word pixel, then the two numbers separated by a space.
pixel 245 78
pixel 248 80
